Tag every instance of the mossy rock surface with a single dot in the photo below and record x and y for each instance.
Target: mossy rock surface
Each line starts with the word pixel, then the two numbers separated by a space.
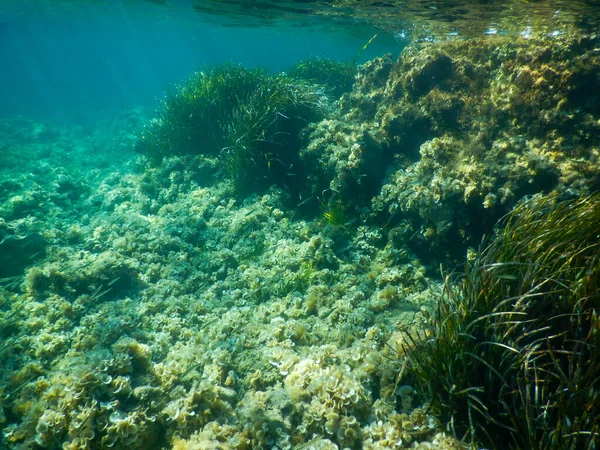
pixel 459 132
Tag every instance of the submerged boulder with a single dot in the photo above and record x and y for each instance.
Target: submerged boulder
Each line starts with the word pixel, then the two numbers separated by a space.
pixel 451 135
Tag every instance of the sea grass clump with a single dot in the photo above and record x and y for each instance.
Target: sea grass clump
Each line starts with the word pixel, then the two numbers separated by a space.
pixel 512 357
pixel 336 76
pixel 245 117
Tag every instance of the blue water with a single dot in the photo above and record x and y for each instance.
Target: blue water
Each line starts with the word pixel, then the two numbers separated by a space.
pixel 86 62
pixel 257 265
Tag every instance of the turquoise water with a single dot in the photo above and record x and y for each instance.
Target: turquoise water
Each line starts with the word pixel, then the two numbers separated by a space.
pixel 81 62
pixel 299 225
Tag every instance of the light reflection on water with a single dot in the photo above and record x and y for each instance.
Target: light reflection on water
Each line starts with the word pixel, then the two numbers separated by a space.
pixel 411 19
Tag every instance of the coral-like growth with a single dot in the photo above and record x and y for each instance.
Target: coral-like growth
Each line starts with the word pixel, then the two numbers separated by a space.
pixel 513 354
pixel 451 135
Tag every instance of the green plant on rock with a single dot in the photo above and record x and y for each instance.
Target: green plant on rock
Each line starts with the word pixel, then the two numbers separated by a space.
pixel 336 76
pixel 335 214
pixel 512 357
pixel 263 133
pixel 189 117
pixel 245 117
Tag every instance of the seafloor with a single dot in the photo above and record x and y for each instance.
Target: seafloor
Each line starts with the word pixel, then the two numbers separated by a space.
pixel 148 306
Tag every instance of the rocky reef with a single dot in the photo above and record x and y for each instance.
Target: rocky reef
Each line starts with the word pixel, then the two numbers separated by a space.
pixel 167 310
pixel 443 142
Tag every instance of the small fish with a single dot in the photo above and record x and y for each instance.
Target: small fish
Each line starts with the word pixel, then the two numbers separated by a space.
pixel 98 293
pixel 305 201
pixel 114 281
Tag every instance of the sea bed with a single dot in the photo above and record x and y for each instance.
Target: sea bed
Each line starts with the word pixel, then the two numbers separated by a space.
pixel 155 307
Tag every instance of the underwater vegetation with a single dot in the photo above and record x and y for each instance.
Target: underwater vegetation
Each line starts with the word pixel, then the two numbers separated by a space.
pixel 179 299
pixel 336 76
pixel 249 119
pixel 512 355
pixel 167 313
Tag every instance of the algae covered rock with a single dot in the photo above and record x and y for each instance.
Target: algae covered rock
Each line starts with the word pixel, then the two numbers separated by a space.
pixel 453 134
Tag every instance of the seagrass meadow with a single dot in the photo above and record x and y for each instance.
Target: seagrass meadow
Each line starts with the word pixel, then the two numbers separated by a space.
pixel 392 252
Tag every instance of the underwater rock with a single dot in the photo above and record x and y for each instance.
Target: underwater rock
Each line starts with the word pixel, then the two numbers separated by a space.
pixel 460 131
